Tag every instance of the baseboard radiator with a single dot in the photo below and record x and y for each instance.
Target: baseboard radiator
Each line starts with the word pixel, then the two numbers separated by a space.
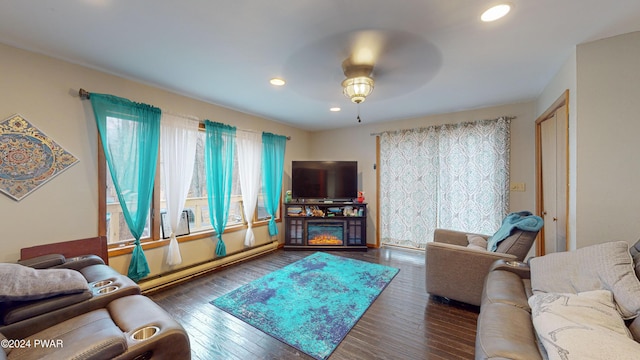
pixel 182 275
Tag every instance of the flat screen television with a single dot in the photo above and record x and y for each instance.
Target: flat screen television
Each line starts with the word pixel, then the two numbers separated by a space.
pixel 335 180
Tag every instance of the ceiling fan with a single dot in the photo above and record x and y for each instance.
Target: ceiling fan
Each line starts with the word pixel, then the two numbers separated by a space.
pixel 358 67
pixel 395 62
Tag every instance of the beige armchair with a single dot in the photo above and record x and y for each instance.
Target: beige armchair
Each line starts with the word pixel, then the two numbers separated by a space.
pixel 456 272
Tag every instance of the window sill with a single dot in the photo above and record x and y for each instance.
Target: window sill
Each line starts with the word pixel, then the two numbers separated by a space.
pixel 118 250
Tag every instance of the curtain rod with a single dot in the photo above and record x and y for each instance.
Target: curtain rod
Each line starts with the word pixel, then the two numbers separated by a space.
pixel 426 127
pixel 85 95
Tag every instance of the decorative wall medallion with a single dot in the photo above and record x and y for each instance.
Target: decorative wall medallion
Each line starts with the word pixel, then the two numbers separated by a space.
pixel 28 157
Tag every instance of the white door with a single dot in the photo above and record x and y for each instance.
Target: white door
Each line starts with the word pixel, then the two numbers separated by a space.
pixel 549 186
pixel 553 176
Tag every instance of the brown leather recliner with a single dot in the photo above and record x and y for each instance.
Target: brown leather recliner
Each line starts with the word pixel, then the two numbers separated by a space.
pixel 455 271
pixel 94 313
pixel 131 327
pixel 104 284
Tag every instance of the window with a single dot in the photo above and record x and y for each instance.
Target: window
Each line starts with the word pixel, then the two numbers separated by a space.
pixel 196 203
pixel 115 226
pixel 452 176
pixel 118 230
pixel 236 214
pixel 261 212
pixel 112 221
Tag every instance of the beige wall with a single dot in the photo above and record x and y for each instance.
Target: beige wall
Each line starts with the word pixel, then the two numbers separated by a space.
pixel 608 161
pixel 602 76
pixel 44 91
pixel 356 143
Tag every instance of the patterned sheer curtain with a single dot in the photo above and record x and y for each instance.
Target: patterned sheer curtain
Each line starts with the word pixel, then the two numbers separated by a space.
pixel 408 186
pixel 130 133
pixel 447 176
pixel 249 161
pixel 219 149
pixel 473 183
pixel 178 138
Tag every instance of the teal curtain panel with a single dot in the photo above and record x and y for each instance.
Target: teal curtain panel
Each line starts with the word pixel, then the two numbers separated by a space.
pixel 273 147
pixel 219 151
pixel 130 134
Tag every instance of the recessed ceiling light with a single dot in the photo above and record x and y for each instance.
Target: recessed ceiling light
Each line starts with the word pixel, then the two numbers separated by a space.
pixel 335 109
pixel 277 82
pixel 496 12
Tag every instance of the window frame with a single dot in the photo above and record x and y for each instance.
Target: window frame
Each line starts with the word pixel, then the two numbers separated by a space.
pixel 155 239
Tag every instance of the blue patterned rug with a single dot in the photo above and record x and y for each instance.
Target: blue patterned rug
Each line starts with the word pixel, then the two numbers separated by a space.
pixel 310 304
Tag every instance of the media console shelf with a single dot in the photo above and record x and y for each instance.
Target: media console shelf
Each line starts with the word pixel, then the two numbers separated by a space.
pixel 325 226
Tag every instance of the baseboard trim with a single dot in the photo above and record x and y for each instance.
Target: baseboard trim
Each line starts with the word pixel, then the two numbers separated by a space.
pixel 186 274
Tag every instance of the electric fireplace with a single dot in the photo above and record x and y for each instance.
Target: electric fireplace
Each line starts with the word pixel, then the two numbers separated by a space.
pixel 323 233
pixel 325 226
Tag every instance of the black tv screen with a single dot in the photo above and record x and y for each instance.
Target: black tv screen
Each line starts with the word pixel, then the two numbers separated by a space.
pixel 324 180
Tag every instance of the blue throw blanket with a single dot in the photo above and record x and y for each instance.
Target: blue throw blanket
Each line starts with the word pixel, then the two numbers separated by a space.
pixel 523 220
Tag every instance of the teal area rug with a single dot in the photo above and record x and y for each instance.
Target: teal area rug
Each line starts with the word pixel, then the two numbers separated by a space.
pixel 310 304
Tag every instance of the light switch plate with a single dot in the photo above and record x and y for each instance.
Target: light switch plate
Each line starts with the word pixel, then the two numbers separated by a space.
pixel 517 186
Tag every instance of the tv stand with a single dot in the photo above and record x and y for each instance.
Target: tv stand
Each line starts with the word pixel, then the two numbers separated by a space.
pixel 325 226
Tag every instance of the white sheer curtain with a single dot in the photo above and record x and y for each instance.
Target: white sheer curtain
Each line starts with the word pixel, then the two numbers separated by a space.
pixel 446 176
pixel 249 164
pixel 178 139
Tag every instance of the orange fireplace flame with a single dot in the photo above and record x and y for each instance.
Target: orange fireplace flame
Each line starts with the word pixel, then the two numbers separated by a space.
pixel 325 239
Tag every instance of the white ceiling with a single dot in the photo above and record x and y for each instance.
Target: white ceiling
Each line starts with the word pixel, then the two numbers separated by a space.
pixel 438 57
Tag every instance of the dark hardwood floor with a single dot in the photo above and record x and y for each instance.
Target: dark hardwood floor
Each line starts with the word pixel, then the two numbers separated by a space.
pixel 403 323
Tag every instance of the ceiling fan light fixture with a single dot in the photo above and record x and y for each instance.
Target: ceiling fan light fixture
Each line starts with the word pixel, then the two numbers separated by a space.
pixel 495 12
pixel 357 88
pixel 277 82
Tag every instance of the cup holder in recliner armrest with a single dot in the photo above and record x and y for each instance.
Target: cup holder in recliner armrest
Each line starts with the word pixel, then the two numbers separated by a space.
pixel 106 289
pixel 101 283
pixel 145 333
pixel 107 286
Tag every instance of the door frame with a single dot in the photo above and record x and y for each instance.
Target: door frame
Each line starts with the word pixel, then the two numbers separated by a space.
pixel 563 100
